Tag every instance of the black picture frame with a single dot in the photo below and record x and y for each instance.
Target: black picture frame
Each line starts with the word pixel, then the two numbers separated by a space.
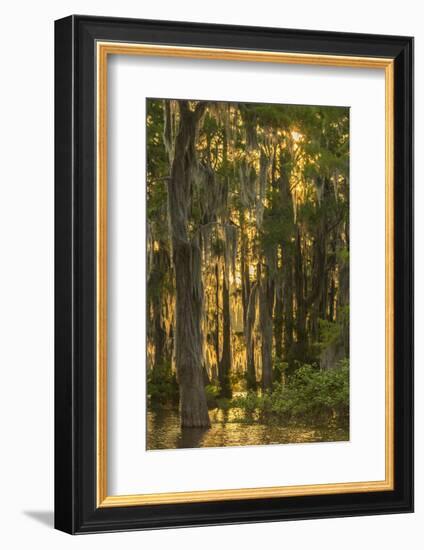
pixel 76 510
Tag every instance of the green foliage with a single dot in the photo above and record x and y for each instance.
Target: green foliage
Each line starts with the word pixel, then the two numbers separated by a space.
pixel 310 394
pixel 156 153
pixel 213 392
pixel 278 227
pixel 218 247
pixel 250 403
pixel 329 332
pixel 238 381
pixel 279 370
pixel 162 386
pixel 224 403
pixel 343 255
pixel 157 171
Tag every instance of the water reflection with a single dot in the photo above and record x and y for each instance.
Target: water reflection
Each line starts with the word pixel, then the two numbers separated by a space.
pixel 231 428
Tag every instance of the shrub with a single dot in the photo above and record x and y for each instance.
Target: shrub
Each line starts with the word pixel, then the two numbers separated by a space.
pixel 310 393
pixel 213 391
pixel 162 386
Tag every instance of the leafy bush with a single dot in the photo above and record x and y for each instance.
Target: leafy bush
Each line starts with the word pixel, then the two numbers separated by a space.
pixel 162 386
pixel 279 370
pixel 238 381
pixel 213 392
pixel 310 393
pixel 329 332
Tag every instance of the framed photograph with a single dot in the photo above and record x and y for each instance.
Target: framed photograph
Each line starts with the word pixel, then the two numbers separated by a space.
pixel 234 274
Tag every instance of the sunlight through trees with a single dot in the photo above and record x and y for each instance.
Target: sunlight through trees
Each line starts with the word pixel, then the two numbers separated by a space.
pixel 247 252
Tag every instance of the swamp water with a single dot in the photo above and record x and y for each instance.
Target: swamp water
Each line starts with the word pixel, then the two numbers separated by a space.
pixel 232 428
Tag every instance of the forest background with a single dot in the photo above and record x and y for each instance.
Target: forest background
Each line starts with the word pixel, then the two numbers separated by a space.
pixel 248 264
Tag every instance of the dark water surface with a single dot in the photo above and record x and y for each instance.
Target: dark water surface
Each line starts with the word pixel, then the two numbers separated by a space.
pixel 231 428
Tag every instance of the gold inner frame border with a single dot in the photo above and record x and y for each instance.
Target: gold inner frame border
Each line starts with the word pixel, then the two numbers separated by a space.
pixel 103 50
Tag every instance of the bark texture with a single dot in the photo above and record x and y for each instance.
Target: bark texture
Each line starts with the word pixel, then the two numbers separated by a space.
pixel 187 263
pixel 266 304
pixel 250 343
pixel 225 363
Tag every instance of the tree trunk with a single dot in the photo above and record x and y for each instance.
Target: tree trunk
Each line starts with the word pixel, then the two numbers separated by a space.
pixel 330 313
pixel 244 268
pixel 278 323
pixel 160 334
pixel 288 305
pixel 187 263
pixel 249 292
pixel 225 363
pixel 287 254
pixel 319 280
pixel 160 264
pixel 331 300
pixel 316 301
pixel 216 331
pixel 343 295
pixel 250 345
pixel 266 302
pixel 300 293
